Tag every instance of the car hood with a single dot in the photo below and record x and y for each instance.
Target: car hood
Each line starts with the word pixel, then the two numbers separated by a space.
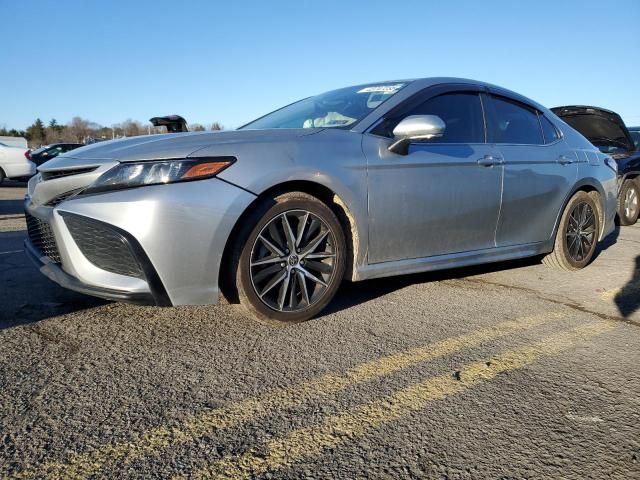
pixel 601 127
pixel 159 147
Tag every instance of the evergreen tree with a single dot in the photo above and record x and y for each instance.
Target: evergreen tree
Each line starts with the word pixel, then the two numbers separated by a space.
pixel 36 133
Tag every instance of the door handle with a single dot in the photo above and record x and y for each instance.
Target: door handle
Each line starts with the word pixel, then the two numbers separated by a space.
pixel 490 161
pixel 564 160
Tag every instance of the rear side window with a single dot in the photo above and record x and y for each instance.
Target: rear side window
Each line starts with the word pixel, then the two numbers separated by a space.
pixel 461 113
pixel 549 131
pixel 514 122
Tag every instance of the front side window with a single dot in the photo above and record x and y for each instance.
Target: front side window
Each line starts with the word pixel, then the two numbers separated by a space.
pixel 336 109
pixel 461 113
pixel 513 122
pixel 549 131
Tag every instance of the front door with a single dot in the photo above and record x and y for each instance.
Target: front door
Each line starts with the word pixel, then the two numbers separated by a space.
pixel 444 195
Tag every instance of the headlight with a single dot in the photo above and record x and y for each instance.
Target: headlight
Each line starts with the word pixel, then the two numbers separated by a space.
pixel 158 172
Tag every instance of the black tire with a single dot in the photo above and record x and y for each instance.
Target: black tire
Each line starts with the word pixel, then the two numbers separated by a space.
pixel 629 203
pixel 567 254
pixel 311 296
pixel 2 176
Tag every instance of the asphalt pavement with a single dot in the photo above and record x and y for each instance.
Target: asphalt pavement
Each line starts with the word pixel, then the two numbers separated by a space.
pixel 511 370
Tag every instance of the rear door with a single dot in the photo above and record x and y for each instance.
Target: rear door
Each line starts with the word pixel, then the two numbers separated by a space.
pixel 539 170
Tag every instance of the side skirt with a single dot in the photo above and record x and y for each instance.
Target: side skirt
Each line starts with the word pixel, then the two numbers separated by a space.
pixel 452 260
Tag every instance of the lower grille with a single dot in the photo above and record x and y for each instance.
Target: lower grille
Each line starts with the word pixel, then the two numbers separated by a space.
pixel 103 246
pixel 42 238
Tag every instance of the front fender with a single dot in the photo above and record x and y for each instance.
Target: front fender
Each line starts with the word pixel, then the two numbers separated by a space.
pixel 330 158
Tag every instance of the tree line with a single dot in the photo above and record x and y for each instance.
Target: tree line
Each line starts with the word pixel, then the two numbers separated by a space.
pixel 80 130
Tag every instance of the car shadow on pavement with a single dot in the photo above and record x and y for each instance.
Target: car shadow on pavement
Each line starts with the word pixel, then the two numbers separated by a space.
pixel 27 295
pixel 11 207
pixel 607 242
pixel 628 298
pixel 354 293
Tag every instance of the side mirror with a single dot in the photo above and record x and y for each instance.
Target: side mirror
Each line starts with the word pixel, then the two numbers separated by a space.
pixel 416 128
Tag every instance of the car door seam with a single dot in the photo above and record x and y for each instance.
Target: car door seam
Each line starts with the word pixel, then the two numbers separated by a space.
pixel 495 232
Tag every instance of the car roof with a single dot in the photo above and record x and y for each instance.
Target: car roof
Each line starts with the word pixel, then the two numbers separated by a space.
pixel 429 81
pixel 416 85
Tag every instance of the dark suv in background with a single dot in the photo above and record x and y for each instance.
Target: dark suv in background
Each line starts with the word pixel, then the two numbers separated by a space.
pixel 606 130
pixel 42 154
pixel 635 134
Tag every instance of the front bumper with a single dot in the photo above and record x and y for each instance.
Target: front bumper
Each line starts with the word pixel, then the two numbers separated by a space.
pixel 55 273
pixel 176 232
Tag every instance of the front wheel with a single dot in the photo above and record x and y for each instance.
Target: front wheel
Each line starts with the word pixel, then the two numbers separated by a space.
pixel 629 203
pixel 577 234
pixel 293 259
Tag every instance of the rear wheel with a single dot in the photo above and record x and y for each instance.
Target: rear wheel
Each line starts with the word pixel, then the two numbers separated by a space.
pixel 629 202
pixel 577 234
pixel 293 259
pixel 2 176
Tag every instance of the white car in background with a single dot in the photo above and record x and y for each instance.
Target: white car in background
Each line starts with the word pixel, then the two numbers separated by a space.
pixel 14 162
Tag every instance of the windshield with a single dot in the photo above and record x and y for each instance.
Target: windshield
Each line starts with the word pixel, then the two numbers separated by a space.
pixel 40 150
pixel 336 109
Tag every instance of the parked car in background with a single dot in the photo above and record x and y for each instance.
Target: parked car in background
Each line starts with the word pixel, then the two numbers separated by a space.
pixel 173 123
pixel 606 130
pixel 14 141
pixel 15 163
pixel 635 134
pixel 42 154
pixel 362 182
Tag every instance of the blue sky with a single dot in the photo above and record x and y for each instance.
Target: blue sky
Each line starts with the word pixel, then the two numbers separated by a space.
pixel 233 61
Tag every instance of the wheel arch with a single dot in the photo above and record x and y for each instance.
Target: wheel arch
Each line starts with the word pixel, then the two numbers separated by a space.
pixel 323 193
pixel 592 187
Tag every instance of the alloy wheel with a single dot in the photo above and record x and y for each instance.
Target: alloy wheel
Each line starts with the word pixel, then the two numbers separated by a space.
pixel 293 261
pixel 631 203
pixel 581 231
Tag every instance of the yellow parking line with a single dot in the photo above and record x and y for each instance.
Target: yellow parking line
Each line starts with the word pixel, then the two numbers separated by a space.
pixel 150 442
pixel 335 430
pixel 628 288
pixel 609 294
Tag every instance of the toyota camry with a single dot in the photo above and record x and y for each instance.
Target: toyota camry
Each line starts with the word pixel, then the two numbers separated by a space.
pixel 362 182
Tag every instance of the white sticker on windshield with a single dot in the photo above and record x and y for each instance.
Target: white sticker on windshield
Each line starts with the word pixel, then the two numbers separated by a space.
pixel 386 89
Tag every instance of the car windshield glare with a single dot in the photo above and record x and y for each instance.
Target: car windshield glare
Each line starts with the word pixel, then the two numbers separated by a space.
pixel 335 109
pixel 40 150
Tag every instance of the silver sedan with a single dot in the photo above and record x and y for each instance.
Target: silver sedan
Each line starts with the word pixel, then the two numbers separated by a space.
pixel 367 181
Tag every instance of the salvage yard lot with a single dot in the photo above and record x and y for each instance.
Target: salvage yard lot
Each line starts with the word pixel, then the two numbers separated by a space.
pixel 501 371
